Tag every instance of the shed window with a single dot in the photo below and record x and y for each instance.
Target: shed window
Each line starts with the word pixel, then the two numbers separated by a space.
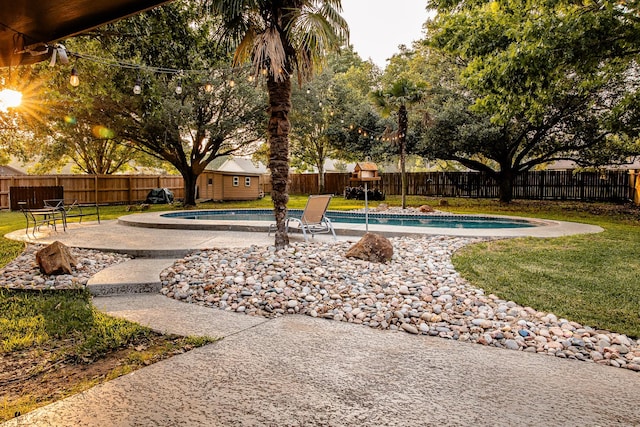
pixel 236 181
pixel 247 181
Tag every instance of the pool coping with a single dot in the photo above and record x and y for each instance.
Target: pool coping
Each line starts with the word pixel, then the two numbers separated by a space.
pixel 547 228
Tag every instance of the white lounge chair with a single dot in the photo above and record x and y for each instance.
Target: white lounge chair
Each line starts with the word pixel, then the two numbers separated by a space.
pixel 313 219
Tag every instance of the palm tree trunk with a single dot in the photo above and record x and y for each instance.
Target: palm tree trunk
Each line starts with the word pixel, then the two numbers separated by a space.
pixel 278 131
pixel 403 125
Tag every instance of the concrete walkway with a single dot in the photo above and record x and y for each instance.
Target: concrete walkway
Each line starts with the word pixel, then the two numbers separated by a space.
pixel 301 371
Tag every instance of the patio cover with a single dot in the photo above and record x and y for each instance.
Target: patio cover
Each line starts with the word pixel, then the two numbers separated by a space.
pixel 31 24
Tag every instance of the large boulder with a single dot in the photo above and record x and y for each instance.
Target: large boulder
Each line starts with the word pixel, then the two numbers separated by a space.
pixel 372 247
pixel 55 259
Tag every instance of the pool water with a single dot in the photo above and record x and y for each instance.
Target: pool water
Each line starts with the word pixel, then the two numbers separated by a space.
pixel 434 221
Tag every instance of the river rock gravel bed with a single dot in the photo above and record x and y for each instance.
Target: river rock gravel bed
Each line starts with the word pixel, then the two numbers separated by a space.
pixel 418 292
pixel 23 271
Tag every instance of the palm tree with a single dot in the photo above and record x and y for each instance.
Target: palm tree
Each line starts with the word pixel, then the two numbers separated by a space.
pixel 281 37
pixel 397 97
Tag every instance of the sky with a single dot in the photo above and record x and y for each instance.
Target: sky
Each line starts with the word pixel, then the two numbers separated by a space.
pixel 377 27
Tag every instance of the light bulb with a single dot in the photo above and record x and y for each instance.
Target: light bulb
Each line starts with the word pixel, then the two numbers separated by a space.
pixel 208 87
pixel 232 83
pixel 178 89
pixel 74 80
pixel 137 89
pixel 9 98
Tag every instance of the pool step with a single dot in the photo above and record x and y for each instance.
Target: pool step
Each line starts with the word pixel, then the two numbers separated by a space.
pixel 136 276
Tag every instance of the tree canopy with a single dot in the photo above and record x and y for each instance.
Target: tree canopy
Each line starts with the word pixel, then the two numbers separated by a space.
pixel 190 111
pixel 323 109
pixel 402 88
pixel 537 82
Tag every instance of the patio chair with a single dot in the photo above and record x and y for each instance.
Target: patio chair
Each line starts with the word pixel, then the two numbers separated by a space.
pixel 42 216
pixel 73 209
pixel 313 219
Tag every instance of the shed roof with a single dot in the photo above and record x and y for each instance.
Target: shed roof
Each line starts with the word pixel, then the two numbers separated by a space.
pixel 239 164
pixel 6 170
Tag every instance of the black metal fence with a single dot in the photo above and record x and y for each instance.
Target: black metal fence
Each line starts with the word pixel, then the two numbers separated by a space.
pixel 537 185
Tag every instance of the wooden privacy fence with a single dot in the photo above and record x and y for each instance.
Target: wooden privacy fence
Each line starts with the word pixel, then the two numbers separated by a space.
pixel 102 189
pixel 551 185
pixel 541 185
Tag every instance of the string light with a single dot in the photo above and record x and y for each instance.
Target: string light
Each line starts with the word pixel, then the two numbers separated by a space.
pixel 386 136
pixel 74 80
pixel 137 88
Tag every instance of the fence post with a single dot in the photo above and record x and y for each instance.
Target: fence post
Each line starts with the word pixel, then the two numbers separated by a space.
pixel 95 187
pixel 634 181
pixel 636 196
pixel 130 190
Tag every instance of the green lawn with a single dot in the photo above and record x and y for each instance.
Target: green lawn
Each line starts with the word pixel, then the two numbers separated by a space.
pixel 591 279
pixel 44 330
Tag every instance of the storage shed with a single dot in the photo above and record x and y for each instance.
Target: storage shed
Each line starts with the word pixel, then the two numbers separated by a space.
pixel 222 186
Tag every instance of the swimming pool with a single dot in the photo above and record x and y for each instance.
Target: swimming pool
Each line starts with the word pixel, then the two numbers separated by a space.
pixel 375 218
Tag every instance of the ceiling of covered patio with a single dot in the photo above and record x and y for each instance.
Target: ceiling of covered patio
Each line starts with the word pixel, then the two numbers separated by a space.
pixel 29 29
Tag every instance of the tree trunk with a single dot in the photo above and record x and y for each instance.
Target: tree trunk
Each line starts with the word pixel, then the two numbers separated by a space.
pixel 320 178
pixel 190 179
pixel 278 132
pixel 403 124
pixel 505 182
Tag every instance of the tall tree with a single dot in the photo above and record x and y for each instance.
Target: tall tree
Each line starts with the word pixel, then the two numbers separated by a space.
pixel 281 37
pixel 79 138
pixel 319 111
pixel 189 106
pixel 312 115
pixel 356 125
pixel 402 89
pixel 539 82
